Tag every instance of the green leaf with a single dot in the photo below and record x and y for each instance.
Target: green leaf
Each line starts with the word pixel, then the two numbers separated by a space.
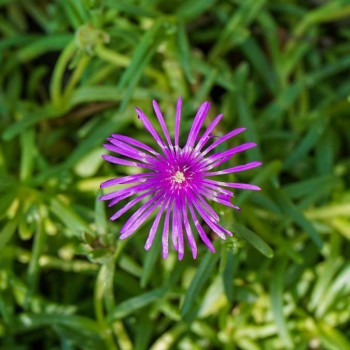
pixel 229 274
pixel 297 216
pixel 28 153
pixel 33 267
pixel 134 304
pixel 276 295
pixel 30 118
pixel 258 59
pixel 253 239
pixel 145 45
pixel 184 52
pixel 340 286
pixel 192 9
pixel 332 338
pixel 265 174
pixel 69 217
pixel 100 215
pixel 78 327
pixel 305 145
pixel 150 261
pixel 198 282
pixel 7 232
pixel 302 188
pixel 42 46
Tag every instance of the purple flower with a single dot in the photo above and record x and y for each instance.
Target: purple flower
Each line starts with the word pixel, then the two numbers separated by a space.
pixel 178 181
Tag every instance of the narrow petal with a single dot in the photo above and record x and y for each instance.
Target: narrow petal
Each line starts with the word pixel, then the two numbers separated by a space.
pixel 145 159
pixel 245 186
pixel 131 193
pixel 206 136
pixel 134 189
pixel 217 198
pixel 197 124
pixel 174 229
pixel 188 230
pixel 125 149
pixel 216 228
pixel 130 204
pixel 127 179
pixel 137 143
pixel 162 122
pixel 234 185
pixel 138 213
pixel 180 239
pixel 214 193
pixel 126 232
pixel 208 221
pixel 177 120
pixel 149 127
pixel 165 235
pixel 200 230
pixel 217 188
pixel 208 208
pixel 222 139
pixel 235 169
pixel 120 161
pixel 154 227
pixel 219 158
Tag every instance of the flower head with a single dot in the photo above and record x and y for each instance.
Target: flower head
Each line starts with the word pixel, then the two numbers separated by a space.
pixel 177 183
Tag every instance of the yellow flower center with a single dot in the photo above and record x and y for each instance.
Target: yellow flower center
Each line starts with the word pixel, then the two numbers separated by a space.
pixel 179 177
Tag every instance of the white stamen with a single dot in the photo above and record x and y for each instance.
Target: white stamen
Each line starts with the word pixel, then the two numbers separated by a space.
pixel 179 177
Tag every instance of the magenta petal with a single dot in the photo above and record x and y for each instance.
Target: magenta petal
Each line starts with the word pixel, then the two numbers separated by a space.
pixel 126 179
pixel 165 235
pixel 220 140
pixel 217 198
pixel 149 127
pixel 219 158
pixel 177 120
pixel 127 231
pixel 136 143
pixel 235 169
pixel 200 230
pixel 233 184
pixel 218 189
pixel 162 122
pixel 207 207
pixel 120 161
pixel 197 123
pixel 188 230
pixel 132 189
pixel 244 186
pixel 129 205
pixel 138 213
pixel 206 136
pixel 180 239
pixel 154 227
pixel 129 151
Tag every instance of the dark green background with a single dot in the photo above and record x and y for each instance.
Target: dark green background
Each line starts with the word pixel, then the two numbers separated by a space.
pixel 71 73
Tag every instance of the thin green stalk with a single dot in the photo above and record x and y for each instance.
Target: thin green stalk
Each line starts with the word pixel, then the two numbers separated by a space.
pixel 104 295
pixel 57 75
pixel 98 306
pixel 78 72
pixel 27 156
pixel 111 56
pixel 33 268
pixel 124 61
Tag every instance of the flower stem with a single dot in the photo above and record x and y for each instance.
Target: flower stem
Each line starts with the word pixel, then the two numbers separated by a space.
pixel 78 72
pixel 56 82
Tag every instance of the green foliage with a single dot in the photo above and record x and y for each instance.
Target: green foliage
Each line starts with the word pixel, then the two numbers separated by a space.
pixel 72 72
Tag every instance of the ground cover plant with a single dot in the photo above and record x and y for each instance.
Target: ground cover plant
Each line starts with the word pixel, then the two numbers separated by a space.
pixel 71 74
